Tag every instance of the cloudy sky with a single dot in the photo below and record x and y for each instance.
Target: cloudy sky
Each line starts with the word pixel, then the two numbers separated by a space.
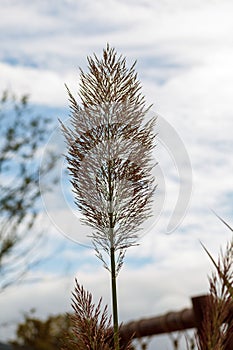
pixel 184 53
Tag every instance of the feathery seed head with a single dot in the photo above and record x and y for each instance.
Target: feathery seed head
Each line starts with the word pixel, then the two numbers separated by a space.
pixel 110 153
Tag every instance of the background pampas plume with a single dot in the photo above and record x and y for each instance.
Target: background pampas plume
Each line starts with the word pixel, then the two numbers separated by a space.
pixel 91 327
pixel 217 327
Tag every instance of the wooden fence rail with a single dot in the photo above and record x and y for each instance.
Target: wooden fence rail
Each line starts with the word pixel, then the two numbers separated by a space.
pixel 167 323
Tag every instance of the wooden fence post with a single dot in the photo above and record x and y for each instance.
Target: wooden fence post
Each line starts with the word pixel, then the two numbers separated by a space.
pixel 199 304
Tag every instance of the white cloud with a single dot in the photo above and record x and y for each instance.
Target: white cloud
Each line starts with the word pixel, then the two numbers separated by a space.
pixel 45 86
pixel 184 57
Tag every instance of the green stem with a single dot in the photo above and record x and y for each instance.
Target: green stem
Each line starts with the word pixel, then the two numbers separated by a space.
pixel 112 250
pixel 114 300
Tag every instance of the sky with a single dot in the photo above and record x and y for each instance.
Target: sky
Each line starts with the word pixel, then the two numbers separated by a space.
pixel 184 54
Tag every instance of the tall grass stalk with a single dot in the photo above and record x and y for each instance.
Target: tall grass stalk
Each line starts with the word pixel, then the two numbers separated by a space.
pixel 217 326
pixel 110 147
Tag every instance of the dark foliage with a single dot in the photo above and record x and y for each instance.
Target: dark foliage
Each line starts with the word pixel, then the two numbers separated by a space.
pixel 23 133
